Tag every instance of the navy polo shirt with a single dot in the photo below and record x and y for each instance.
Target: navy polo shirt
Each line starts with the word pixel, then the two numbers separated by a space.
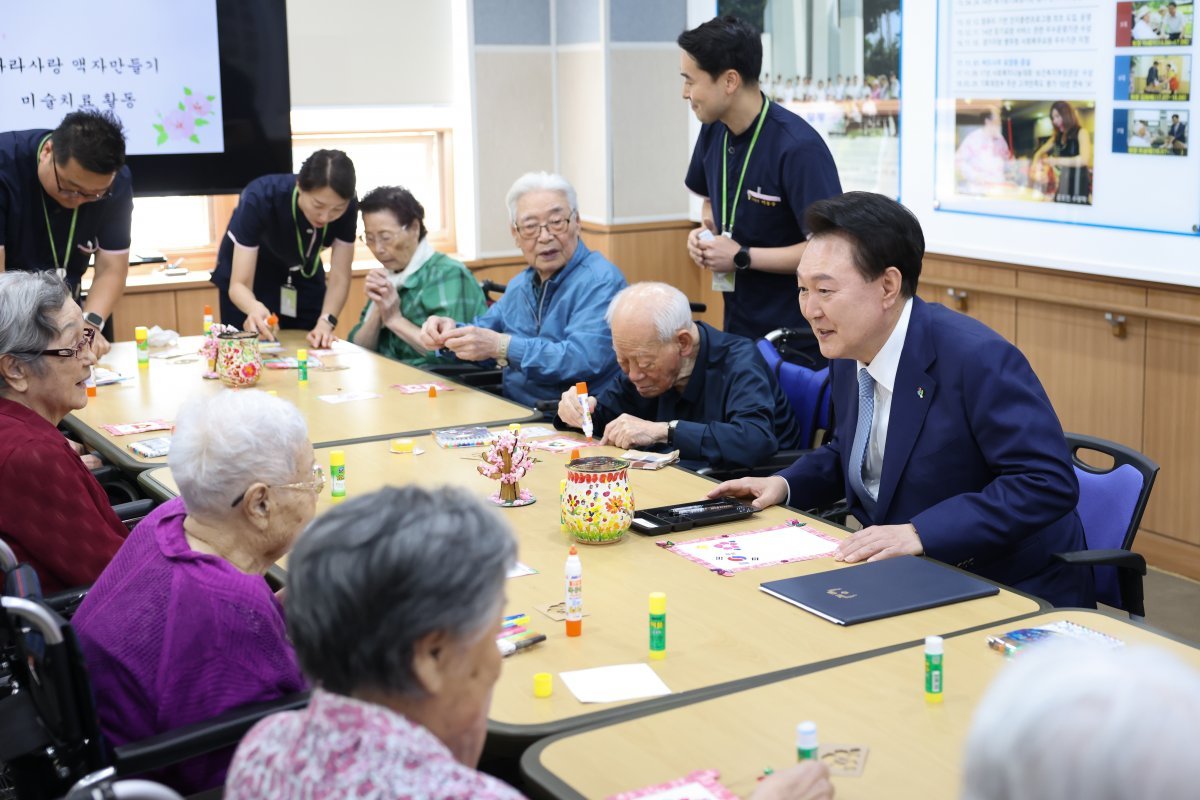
pixel 789 169
pixel 263 219
pixel 101 224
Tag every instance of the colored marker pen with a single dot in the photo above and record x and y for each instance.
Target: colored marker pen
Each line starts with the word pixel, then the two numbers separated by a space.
pixel 934 649
pixel 581 394
pixel 337 473
pixel 658 625
pixel 302 365
pixel 806 741
pixel 574 574
pixel 141 336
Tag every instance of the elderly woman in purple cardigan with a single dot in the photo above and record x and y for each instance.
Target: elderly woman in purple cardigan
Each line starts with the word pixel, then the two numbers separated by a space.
pixel 181 626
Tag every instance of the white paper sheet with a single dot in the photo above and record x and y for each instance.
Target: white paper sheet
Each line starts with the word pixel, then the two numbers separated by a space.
pixel 613 684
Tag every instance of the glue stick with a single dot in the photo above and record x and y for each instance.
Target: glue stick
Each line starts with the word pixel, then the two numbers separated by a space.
pixel 574 573
pixel 934 648
pixel 141 336
pixel 806 741
pixel 337 473
pixel 90 384
pixel 581 394
pixel 208 319
pixel 302 365
pixel 658 625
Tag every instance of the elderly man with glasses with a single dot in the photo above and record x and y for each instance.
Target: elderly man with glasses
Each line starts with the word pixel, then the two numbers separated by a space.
pixel 66 196
pixel 547 331
pixel 53 513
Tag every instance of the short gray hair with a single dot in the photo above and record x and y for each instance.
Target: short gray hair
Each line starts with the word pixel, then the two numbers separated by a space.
pixel 28 303
pixel 226 442
pixel 375 575
pixel 671 310
pixel 535 182
pixel 1067 721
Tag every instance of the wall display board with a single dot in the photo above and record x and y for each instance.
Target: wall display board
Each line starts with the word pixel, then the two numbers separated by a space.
pixel 1076 111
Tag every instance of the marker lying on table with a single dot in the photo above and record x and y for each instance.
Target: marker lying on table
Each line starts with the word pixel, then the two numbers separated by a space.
pixel 507 648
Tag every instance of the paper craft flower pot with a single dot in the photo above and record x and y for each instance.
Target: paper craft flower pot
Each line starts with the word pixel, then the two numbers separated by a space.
pixel 597 506
pixel 238 362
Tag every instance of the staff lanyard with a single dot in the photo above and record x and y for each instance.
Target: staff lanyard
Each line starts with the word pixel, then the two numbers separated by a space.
pixel 61 267
pixel 300 243
pixel 727 221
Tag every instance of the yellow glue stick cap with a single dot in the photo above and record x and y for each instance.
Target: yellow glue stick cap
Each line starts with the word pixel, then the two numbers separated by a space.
pixel 140 333
pixel 302 354
pixel 402 445
pixel 658 602
pixel 337 458
pixel 543 684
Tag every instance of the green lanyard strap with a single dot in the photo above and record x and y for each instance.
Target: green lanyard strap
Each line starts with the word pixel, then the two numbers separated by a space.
pixel 61 266
pixel 728 220
pixel 316 262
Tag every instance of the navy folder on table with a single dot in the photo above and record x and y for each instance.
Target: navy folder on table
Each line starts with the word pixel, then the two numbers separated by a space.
pixel 879 589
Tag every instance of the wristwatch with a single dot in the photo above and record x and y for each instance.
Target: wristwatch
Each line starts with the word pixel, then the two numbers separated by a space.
pixel 93 319
pixel 742 259
pixel 331 319
pixel 671 431
pixel 502 350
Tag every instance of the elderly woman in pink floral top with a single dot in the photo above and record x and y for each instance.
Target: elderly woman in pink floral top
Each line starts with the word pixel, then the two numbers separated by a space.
pixel 394 603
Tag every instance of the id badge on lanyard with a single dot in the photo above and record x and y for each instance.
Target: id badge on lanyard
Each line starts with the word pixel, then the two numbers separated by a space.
pixel 288 296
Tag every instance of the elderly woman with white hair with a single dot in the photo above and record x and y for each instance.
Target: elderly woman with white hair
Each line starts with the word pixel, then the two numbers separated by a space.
pixel 1068 721
pixel 547 330
pixel 53 513
pixel 182 626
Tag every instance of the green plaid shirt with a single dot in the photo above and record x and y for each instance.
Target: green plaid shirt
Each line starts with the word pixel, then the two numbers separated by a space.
pixel 441 287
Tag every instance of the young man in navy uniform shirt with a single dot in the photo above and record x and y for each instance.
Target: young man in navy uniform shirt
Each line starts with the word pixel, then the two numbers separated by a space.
pixel 66 195
pixel 774 166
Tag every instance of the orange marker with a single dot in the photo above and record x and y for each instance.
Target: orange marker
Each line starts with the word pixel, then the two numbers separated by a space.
pixel 574 453
pixel 273 321
pixel 432 391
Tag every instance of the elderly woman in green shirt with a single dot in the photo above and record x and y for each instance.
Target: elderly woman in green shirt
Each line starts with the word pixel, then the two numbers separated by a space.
pixel 414 283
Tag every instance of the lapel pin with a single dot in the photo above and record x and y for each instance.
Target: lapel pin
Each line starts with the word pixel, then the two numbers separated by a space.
pixel 921 392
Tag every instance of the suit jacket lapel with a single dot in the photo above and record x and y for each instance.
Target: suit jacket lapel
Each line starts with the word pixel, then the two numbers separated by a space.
pixel 912 396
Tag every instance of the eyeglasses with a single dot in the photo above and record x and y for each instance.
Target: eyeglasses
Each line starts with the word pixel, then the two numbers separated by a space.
pixel 89 336
pixel 316 485
pixel 532 230
pixel 74 193
pixel 385 238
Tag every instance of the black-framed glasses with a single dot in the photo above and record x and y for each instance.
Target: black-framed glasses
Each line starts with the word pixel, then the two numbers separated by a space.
pixel 73 192
pixel 89 336
pixel 316 485
pixel 532 230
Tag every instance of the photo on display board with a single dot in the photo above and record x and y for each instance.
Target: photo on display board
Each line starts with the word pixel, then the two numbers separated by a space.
pixel 1032 150
pixel 1153 77
pixel 1154 23
pixel 1150 131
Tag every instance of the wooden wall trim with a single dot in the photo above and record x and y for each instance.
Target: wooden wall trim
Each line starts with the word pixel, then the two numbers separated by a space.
pixel 1062 300
pixel 1166 553
pixel 932 257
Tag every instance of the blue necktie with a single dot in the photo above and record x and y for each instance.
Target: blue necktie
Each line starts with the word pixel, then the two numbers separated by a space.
pixel 862 437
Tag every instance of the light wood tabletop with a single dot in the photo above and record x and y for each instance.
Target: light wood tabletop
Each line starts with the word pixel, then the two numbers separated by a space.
pixel 719 629
pixel 914 748
pixel 158 390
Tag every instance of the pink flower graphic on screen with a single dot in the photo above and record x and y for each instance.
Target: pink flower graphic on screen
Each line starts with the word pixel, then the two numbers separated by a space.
pixel 179 125
pixel 184 121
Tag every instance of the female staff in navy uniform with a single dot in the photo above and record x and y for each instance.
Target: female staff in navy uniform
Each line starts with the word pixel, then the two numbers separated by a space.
pixel 270 259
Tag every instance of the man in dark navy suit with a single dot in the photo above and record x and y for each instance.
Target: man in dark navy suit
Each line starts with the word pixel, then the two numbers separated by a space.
pixel 945 442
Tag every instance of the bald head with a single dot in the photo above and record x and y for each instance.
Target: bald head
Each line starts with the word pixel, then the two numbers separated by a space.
pixel 653 335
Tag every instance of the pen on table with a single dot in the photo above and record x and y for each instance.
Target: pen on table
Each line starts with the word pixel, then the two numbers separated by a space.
pixel 507 648
pixel 516 617
pixel 511 631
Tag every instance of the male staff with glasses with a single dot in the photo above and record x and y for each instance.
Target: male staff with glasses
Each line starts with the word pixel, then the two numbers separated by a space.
pixel 548 330
pixel 66 196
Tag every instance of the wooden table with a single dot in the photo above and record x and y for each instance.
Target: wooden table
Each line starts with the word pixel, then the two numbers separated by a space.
pixel 722 632
pixel 915 749
pixel 158 390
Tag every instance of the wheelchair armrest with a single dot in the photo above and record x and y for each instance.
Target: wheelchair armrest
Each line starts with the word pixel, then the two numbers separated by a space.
pixel 197 739
pixel 698 308
pixel 1123 559
pixel 66 602
pixel 134 510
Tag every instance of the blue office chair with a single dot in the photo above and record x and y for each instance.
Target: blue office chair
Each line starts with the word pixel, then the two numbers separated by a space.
pixel 1111 504
pixel 807 389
